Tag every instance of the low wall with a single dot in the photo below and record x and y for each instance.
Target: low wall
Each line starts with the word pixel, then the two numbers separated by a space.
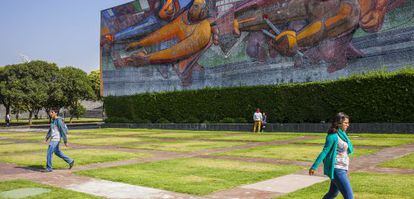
pixel 277 127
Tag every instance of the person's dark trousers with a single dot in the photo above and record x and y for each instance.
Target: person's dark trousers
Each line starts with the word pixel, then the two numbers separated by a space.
pixel 54 148
pixel 263 128
pixel 340 183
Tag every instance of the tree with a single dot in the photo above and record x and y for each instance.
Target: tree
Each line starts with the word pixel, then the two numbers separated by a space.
pixel 55 97
pixel 3 99
pixel 12 95
pixel 75 86
pixel 27 86
pixel 95 80
pixel 38 82
pixel 76 111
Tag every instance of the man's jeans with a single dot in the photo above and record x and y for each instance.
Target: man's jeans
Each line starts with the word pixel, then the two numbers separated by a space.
pixel 54 148
pixel 340 183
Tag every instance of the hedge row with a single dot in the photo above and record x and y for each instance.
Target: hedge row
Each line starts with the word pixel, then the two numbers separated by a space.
pixel 373 97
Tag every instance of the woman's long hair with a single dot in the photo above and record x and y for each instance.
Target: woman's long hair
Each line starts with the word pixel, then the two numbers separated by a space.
pixel 337 122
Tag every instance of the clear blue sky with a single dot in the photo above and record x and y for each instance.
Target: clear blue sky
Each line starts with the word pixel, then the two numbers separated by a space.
pixel 62 31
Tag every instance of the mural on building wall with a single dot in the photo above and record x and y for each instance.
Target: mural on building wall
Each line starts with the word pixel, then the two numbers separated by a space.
pixel 185 35
pixel 313 30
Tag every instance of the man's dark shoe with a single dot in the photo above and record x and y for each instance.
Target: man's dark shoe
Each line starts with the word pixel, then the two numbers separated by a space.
pixel 71 164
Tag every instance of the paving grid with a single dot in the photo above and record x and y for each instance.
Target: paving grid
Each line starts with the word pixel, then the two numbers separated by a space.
pixel 267 189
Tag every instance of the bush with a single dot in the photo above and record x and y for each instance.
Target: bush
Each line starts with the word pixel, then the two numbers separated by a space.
pixel 227 120
pixel 117 120
pixel 163 120
pixel 240 120
pixel 192 120
pixel 372 97
pixel 142 121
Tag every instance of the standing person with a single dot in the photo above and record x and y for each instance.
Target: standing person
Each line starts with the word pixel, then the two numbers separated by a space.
pixel 257 118
pixel 264 122
pixel 335 158
pixel 56 132
pixel 8 120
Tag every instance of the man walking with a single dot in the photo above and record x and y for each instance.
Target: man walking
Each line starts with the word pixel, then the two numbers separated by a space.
pixel 257 118
pixel 56 132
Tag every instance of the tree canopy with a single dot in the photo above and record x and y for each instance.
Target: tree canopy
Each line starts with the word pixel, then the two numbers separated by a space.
pixel 32 86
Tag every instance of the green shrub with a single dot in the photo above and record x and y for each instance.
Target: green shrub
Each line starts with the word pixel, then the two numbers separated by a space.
pixel 163 120
pixel 117 120
pixel 142 121
pixel 373 97
pixel 240 120
pixel 192 119
pixel 227 120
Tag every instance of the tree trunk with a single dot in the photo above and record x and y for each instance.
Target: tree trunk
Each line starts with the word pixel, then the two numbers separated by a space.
pixel 48 116
pixel 7 109
pixel 17 116
pixel 30 117
pixel 71 117
pixel 36 114
pixel 7 112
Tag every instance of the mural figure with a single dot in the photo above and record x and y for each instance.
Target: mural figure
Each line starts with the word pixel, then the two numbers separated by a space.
pixel 322 29
pixel 167 11
pixel 190 33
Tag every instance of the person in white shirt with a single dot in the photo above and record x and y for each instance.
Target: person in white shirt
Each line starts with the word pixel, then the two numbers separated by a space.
pixel 257 118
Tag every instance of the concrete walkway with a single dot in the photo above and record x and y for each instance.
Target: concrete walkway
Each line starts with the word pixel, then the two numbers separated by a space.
pixel 287 183
pixel 109 189
pixel 269 189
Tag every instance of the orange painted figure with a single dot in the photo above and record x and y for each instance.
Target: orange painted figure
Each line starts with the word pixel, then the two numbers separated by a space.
pixel 192 31
pixel 327 19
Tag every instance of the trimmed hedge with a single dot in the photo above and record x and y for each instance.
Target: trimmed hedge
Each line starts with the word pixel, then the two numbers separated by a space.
pixel 373 97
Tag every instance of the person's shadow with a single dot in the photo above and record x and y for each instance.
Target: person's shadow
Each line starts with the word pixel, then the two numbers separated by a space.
pixel 32 167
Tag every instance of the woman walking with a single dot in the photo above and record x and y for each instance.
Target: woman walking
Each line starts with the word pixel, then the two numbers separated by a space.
pixel 335 158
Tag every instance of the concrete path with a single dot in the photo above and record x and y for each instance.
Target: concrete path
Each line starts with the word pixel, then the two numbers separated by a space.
pixel 109 189
pixel 287 183
pixel 269 189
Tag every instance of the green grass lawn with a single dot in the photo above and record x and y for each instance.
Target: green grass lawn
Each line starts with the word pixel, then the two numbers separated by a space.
pixel 288 152
pixel 405 162
pixel 365 186
pixel 7 187
pixel 182 145
pixel 367 141
pixel 185 135
pixel 81 156
pixel 112 132
pixel 40 136
pixel 21 147
pixel 109 141
pixel 193 176
pixel 6 142
pixel 257 137
pixel 23 136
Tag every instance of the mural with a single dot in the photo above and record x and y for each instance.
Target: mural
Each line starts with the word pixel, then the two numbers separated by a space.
pixel 185 36
pixel 158 32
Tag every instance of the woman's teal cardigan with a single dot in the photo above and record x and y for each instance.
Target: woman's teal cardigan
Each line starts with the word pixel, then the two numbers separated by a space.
pixel 328 154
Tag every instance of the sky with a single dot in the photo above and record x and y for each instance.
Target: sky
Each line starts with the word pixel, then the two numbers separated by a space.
pixel 65 32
